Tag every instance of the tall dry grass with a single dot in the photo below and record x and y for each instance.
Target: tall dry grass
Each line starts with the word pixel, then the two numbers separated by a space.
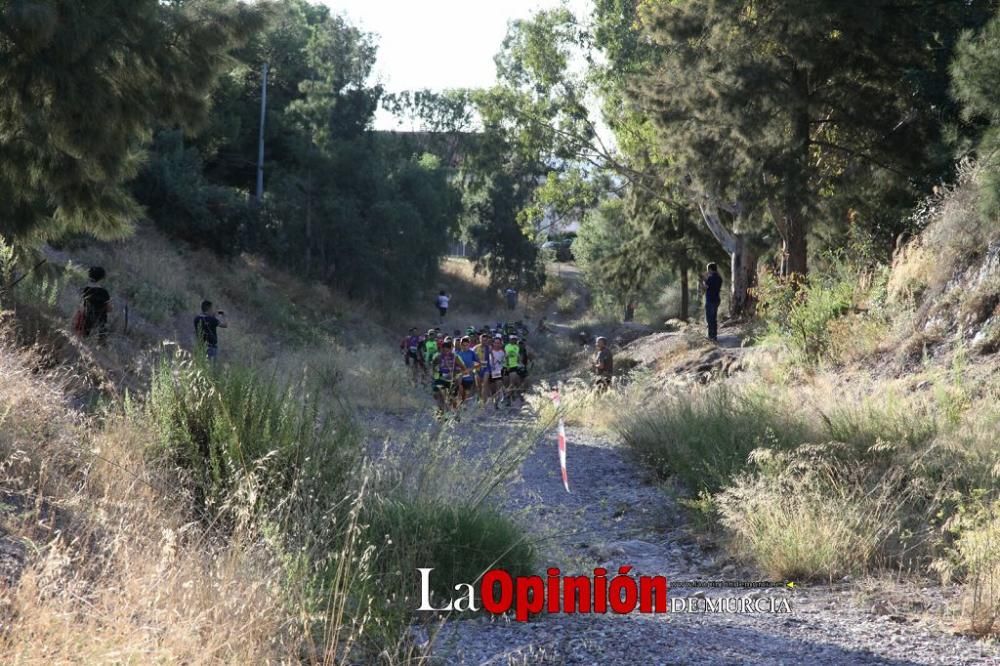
pixel 116 572
pixel 120 569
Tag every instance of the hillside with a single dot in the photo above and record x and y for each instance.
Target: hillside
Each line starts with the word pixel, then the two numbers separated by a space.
pixel 746 412
pixel 863 474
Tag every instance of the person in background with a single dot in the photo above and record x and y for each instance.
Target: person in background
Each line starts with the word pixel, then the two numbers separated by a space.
pixel 206 327
pixel 495 388
pixel 629 311
pixel 443 301
pixel 603 365
pixel 713 297
pixel 523 363
pixel 483 364
pixel 511 296
pixel 95 305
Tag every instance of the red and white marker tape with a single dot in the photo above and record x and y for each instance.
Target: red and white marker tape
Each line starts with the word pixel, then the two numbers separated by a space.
pixel 562 441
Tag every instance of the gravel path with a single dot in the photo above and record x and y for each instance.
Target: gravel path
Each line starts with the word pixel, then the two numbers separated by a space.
pixel 614 516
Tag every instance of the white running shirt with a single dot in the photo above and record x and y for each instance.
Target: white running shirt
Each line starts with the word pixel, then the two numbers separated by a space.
pixel 496 367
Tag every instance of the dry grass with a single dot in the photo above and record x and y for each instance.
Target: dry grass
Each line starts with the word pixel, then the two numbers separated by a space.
pixel 810 519
pixel 585 406
pixel 115 572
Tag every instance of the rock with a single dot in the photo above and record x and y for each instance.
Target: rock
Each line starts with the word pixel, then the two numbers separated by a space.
pixel 601 553
pixel 636 548
pixel 881 607
pixel 728 569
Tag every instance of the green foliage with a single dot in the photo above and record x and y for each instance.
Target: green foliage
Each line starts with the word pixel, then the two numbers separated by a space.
pixel 340 206
pixel 85 82
pixel 800 311
pixel 705 439
pixel 617 259
pixel 974 557
pixel 228 426
pixel 796 110
pixel 181 201
pixel 461 543
pixel 446 112
pixel 803 517
pixel 975 77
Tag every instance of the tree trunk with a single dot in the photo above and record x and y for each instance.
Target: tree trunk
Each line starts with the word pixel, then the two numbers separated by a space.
pixel 795 247
pixel 685 295
pixel 309 236
pixel 743 269
pixel 743 262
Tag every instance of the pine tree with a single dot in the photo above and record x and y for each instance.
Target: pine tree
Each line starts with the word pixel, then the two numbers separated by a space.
pixel 84 82
pixel 976 76
pixel 770 108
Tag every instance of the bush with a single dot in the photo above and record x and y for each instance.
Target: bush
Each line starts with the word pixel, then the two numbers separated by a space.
pixel 566 303
pixel 975 558
pixel 460 542
pixel 801 312
pixel 705 438
pixel 804 516
pixel 222 425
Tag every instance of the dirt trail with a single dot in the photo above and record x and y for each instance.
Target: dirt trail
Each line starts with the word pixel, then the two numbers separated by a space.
pixel 615 516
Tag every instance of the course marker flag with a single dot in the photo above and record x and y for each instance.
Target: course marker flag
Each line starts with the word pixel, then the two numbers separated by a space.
pixel 562 439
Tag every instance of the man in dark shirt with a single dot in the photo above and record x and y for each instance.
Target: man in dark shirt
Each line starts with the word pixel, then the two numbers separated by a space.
pixel 206 327
pixel 713 297
pixel 96 302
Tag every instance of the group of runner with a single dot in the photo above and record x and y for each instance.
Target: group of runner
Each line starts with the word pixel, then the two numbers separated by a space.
pixel 489 365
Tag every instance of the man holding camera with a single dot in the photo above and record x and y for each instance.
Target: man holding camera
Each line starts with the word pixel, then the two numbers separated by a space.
pixel 713 297
pixel 206 327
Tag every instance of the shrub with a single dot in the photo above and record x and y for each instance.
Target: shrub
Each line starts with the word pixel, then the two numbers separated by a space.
pixel 704 438
pixel 460 542
pixel 975 558
pixel 566 303
pixel 220 425
pixel 808 517
pixel 801 312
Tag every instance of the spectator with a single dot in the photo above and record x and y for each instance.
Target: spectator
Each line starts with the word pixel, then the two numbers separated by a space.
pixel 511 296
pixel 713 297
pixel 603 365
pixel 442 304
pixel 206 327
pixel 95 304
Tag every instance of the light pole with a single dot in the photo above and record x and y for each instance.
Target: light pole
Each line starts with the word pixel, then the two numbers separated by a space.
pixel 260 146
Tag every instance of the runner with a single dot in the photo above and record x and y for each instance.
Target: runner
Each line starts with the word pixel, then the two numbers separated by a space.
pixel 467 389
pixel 442 304
pixel 411 353
pixel 483 374
pixel 430 346
pixel 498 372
pixel 513 381
pixel 523 362
pixel 447 366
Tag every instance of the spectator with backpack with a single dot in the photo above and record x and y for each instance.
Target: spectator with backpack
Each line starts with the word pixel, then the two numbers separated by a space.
pixel 95 305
